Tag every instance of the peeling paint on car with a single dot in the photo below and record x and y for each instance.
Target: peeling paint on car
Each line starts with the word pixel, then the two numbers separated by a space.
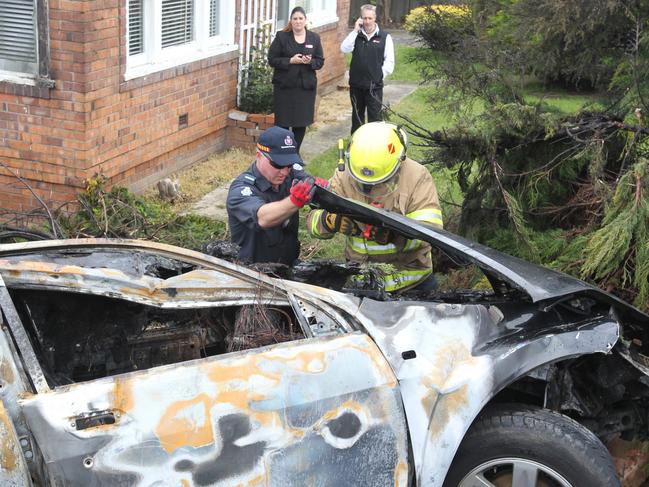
pixel 234 419
pixel 13 470
pixel 195 288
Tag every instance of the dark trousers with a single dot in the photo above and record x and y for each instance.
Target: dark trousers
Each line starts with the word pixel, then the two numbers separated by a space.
pixel 299 135
pixel 362 100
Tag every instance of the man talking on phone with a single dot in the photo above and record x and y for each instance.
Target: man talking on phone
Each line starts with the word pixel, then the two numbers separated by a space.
pixel 372 60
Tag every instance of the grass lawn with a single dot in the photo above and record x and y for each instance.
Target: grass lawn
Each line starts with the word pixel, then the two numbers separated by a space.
pixel 408 63
pixel 563 102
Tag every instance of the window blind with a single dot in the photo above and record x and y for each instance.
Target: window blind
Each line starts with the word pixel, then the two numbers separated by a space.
pixel 215 18
pixel 135 27
pixel 18 31
pixel 177 22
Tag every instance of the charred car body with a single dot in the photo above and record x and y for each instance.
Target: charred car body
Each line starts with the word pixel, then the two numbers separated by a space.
pixel 133 363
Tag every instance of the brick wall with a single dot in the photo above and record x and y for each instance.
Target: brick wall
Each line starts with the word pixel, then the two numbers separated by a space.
pixel 42 130
pixel 92 121
pixel 331 36
pixel 245 128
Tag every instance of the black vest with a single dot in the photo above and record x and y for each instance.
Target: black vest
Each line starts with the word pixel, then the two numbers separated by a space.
pixel 367 61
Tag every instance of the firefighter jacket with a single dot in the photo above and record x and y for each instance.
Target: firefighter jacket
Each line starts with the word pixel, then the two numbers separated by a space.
pixel 411 192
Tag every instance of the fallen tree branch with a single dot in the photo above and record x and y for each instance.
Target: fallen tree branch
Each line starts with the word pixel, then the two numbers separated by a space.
pixel 31 190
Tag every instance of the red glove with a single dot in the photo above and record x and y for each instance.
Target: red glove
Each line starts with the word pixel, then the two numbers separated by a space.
pixel 322 183
pixel 301 192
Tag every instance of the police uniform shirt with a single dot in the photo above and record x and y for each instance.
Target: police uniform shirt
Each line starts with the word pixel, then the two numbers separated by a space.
pixel 248 192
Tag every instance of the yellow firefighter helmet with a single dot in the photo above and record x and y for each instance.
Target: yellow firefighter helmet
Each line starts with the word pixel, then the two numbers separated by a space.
pixel 376 151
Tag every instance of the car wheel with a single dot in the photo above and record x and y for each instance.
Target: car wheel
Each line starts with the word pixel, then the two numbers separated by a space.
pixel 525 446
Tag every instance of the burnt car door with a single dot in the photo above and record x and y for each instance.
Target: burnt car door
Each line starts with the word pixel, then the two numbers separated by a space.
pixel 321 408
pixel 14 440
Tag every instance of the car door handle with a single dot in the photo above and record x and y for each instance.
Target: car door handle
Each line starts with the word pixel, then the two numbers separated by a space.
pixel 91 420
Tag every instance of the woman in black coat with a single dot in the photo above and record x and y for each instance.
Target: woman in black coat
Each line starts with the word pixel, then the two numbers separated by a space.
pixel 296 54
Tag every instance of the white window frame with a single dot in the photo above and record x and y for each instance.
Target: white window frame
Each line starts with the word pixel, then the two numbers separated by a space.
pixel 322 12
pixel 154 58
pixel 27 72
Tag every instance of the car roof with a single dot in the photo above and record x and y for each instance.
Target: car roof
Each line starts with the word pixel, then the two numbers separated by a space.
pixel 140 271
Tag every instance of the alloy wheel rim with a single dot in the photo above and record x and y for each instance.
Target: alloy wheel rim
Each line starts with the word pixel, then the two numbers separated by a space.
pixel 513 472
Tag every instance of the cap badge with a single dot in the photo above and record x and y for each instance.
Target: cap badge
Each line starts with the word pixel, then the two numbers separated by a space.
pixel 366 171
pixel 288 140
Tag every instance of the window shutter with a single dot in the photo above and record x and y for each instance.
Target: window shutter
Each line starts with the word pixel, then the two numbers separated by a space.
pixel 18 35
pixel 135 27
pixel 177 22
pixel 215 17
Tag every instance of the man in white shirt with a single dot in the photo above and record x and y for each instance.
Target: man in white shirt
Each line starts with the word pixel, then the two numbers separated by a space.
pixel 372 60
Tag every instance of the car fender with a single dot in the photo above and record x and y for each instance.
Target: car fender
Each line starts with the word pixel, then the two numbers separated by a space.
pixel 450 362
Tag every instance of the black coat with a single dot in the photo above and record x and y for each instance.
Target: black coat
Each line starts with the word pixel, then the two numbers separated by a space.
pixel 288 75
pixel 294 85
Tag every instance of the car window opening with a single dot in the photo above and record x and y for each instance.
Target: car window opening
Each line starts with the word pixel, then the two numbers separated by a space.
pixel 80 337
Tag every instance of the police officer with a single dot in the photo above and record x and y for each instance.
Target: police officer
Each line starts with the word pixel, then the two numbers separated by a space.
pixel 263 201
pixel 372 60
pixel 379 173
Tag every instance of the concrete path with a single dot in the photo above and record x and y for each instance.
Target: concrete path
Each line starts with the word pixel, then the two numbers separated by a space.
pixel 316 141
pixel 212 205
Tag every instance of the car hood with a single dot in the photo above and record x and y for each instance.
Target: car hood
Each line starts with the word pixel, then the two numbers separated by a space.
pixel 542 285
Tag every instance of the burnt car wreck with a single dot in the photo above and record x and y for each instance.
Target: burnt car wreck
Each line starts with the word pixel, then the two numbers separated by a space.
pixel 134 363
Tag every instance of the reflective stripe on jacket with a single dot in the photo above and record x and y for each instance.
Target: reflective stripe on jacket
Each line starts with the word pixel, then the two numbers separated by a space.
pixel 412 193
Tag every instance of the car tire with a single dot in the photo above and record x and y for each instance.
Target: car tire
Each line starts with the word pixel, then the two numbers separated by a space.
pixel 524 438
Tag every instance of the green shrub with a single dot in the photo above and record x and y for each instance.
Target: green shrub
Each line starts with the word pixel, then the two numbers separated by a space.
pixel 256 95
pixel 438 25
pixel 118 213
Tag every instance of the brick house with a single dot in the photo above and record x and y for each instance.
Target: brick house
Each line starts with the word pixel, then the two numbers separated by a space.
pixel 132 89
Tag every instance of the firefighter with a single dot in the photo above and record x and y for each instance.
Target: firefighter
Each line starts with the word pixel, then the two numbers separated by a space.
pixel 379 173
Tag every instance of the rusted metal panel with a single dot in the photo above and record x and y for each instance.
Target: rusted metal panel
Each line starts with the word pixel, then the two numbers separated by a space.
pixel 13 470
pixel 323 411
pixel 194 289
pixel 36 265
pixel 451 359
pixel 14 383
pixel 97 245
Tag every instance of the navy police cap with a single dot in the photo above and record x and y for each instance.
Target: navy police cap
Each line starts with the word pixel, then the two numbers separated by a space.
pixel 279 145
